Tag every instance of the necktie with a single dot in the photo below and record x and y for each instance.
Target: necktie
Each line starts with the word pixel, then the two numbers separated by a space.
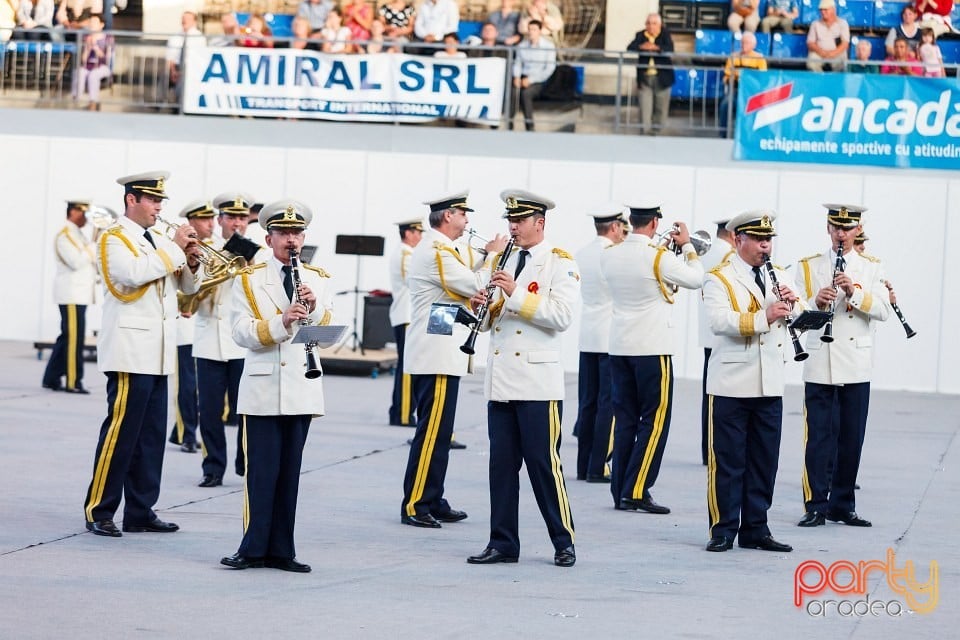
pixel 149 237
pixel 521 262
pixel 758 278
pixel 288 281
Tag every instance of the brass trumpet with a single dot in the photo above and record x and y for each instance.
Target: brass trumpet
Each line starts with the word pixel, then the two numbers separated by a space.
pixel 215 263
pixel 700 240
pixel 471 235
pixel 101 217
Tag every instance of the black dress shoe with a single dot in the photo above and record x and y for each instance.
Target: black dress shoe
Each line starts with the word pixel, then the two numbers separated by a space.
pixel 421 520
pixel 453 515
pixel 154 526
pixel 53 387
pixel 211 480
pixel 286 564
pixel 237 561
pixel 812 519
pixel 78 389
pixel 766 543
pixel 598 479
pixel 104 528
pixel 457 445
pixel 565 557
pixel 647 504
pixel 719 543
pixel 492 556
pixel 849 518
pixel 189 447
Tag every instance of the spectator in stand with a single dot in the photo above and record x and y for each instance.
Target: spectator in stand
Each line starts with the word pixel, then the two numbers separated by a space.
pixel 451 42
pixel 257 34
pixel 747 58
pixel 828 39
pixel 903 62
pixel 336 37
pixel 435 19
pixel 94 62
pixel 489 37
pixel 534 62
pixel 74 14
pixel 177 45
pixel 862 62
pixel 548 15
pixel 506 20
pixel 300 28
pixel 397 16
pixel 908 29
pixel 316 12
pixel 35 19
pixel 378 43
pixel 8 19
pixel 744 15
pixel 357 16
pixel 930 55
pixel 780 15
pixel 655 74
pixel 231 31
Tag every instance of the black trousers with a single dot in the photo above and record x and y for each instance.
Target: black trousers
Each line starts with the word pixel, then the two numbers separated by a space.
pixel 185 420
pixel 742 464
pixel 274 453
pixel 642 393
pixel 430 451
pixel 526 432
pixel 216 380
pixel 66 359
pixel 704 421
pixel 402 409
pixel 129 458
pixel 595 414
pixel 525 97
pixel 829 439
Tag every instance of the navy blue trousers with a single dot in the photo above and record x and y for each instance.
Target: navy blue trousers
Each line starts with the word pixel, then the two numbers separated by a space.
pixel 430 451
pixel 129 458
pixel 216 380
pixel 526 432
pixel 185 424
pixel 642 393
pixel 66 359
pixel 402 407
pixel 594 414
pixel 704 401
pixel 829 439
pixel 743 452
pixel 274 453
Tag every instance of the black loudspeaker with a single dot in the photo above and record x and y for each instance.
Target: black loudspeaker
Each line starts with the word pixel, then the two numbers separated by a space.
pixel 377 331
pixel 360 245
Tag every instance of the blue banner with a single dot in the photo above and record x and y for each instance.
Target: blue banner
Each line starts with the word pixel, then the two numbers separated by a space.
pixel 848 118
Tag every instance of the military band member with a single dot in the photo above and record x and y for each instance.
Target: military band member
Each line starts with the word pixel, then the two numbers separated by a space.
pixel 720 252
pixel 535 300
pixel 837 374
pixel 644 277
pixel 74 288
pixel 402 409
pixel 141 271
pixel 745 386
pixel 594 424
pixel 277 402
pixel 437 273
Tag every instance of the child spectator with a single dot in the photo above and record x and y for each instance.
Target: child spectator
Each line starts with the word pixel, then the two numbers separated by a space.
pixel 862 62
pixel 257 33
pixel 336 37
pixel 94 61
pixel 930 55
pixel 450 43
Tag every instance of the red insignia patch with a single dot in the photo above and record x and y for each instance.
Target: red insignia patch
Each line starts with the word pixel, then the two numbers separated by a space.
pixel 533 288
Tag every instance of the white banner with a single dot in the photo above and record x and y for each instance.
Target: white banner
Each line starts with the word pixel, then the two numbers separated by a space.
pixel 380 87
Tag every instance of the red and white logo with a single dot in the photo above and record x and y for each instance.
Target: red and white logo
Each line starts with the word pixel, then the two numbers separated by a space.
pixel 773 105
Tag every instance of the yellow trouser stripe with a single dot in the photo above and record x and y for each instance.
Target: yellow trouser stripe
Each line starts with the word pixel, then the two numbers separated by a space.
pixel 246 465
pixel 430 439
pixel 226 407
pixel 609 456
pixel 71 346
pixel 109 444
pixel 405 393
pixel 805 479
pixel 712 506
pixel 658 420
pixel 177 418
pixel 557 468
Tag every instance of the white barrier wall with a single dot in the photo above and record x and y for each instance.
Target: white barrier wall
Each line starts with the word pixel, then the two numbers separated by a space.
pixel 360 178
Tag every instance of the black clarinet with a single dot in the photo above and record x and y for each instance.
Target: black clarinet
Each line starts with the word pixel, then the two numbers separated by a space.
pixel 798 353
pixel 468 346
pixel 827 335
pixel 313 368
pixel 903 321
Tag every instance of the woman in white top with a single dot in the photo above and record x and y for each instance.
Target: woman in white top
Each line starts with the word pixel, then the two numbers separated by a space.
pixel 336 37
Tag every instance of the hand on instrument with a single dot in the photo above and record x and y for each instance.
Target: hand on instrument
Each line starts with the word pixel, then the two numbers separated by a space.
pixel 777 311
pixel 825 296
pixel 787 295
pixel 307 297
pixel 681 235
pixel 294 313
pixel 893 296
pixel 505 281
pixel 185 236
pixel 478 299
pixel 496 245
pixel 844 282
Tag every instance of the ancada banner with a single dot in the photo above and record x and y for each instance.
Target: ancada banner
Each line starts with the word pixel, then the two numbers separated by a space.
pixel 294 83
pixel 848 118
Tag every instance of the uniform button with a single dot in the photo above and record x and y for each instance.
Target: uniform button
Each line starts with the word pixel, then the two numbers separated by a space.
pixel 517 353
pixel 851 338
pixel 519 332
pixel 283 364
pixel 497 329
pixel 761 342
pixel 779 344
pixel 850 316
pixel 497 352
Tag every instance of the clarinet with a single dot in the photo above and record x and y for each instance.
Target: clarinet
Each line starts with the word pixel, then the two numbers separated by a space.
pixel 827 335
pixel 313 368
pixel 799 354
pixel 467 347
pixel 903 321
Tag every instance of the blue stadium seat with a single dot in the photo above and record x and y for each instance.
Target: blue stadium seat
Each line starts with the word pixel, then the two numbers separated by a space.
pixel 763 42
pixel 857 13
pixel 886 15
pixel 469 28
pixel 280 23
pixel 877 52
pixel 950 50
pixel 697 84
pixel 713 41
pixel 789 45
pixel 955 16
pixel 808 11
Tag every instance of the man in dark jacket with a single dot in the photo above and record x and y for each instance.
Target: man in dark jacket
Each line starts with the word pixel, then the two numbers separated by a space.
pixel 654 73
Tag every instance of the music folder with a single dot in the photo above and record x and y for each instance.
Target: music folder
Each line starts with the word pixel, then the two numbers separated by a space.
pixel 810 320
pixel 323 337
pixel 443 315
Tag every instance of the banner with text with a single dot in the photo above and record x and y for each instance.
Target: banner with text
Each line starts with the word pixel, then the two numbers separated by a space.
pixel 295 83
pixel 848 118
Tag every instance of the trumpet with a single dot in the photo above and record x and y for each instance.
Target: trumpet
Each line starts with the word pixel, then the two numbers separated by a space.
pixel 471 235
pixel 468 346
pixel 700 240
pixel 313 368
pixel 101 217
pixel 827 335
pixel 215 263
pixel 799 354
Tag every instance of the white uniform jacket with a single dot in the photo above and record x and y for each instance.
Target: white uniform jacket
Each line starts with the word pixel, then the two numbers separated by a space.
pixel 213 326
pixel 720 252
pixel 138 332
pixel 525 358
pixel 849 358
pixel 640 274
pixel 273 381
pixel 597 304
pixel 438 273
pixel 748 354
pixel 76 279
pixel 399 264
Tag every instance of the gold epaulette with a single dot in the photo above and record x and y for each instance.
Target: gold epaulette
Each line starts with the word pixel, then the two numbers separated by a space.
pixel 320 272
pixel 808 258
pixel 873 259
pixel 720 266
pixel 438 245
pixel 563 254
pixel 250 268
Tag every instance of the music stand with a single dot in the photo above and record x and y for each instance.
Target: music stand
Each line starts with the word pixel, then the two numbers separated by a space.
pixel 810 320
pixel 358 246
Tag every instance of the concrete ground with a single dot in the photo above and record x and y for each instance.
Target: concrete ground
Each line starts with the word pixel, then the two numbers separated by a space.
pixel 637 575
